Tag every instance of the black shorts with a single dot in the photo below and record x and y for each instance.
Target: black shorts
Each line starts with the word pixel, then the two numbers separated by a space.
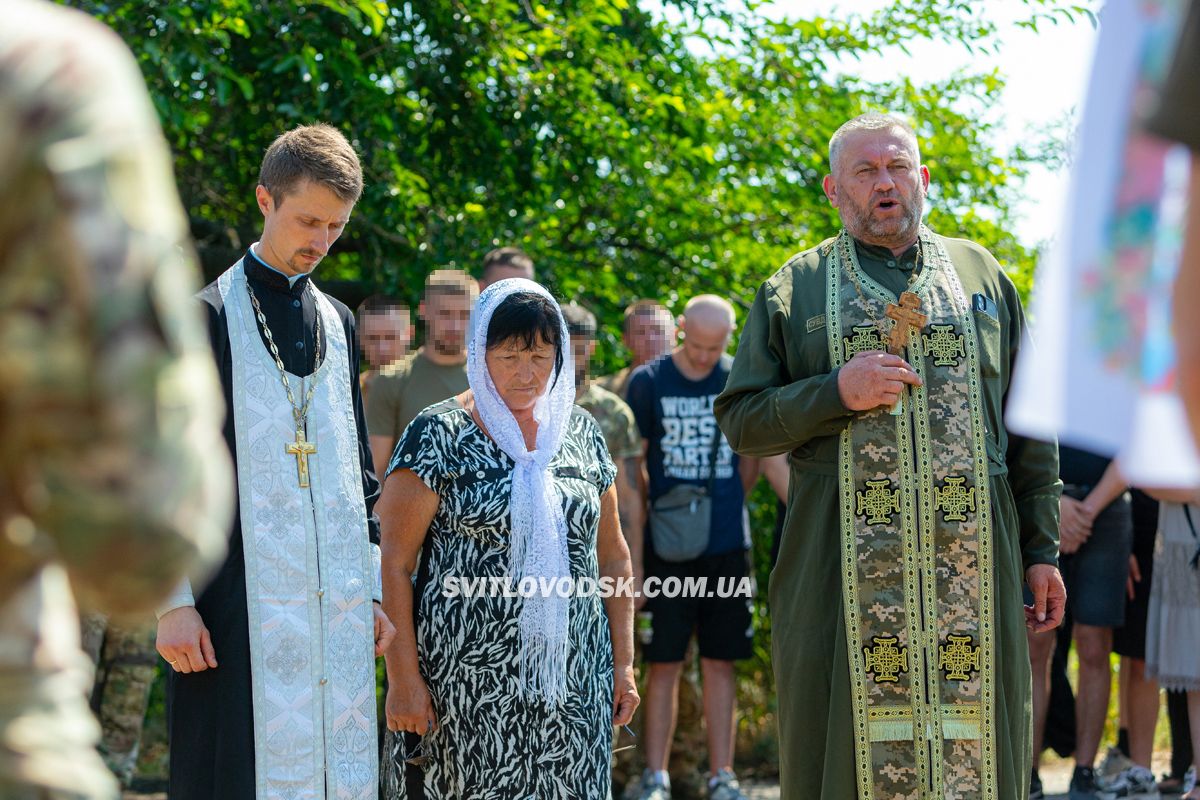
pixel 724 626
pixel 1095 574
pixel 1129 640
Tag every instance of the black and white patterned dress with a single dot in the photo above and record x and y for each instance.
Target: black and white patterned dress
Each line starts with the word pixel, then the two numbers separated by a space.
pixel 492 742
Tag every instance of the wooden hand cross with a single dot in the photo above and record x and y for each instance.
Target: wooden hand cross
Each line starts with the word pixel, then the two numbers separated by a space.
pixel 906 316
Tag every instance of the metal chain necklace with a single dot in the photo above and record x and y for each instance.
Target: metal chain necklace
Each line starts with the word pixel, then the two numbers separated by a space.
pixel 300 447
pixel 850 260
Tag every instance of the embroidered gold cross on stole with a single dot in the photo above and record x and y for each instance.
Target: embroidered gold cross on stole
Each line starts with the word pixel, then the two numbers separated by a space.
pixel 301 449
pixel 905 317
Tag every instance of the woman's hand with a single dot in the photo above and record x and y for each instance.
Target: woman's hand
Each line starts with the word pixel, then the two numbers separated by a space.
pixel 409 707
pixel 625 695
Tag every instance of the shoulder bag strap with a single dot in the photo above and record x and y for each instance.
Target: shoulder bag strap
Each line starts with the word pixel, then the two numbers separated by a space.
pixel 712 459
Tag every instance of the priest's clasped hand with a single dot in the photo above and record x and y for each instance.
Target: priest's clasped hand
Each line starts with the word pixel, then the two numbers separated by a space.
pixel 874 378
pixel 184 641
pixel 384 630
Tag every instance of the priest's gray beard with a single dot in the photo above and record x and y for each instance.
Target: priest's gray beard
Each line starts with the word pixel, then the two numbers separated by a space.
pixel 862 224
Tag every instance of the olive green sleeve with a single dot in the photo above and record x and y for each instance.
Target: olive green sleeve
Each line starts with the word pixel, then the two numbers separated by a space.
pixel 382 402
pixel 1032 469
pixel 765 409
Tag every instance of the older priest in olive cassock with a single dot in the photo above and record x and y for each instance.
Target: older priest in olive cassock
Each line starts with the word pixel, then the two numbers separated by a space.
pixel 880 360
pixel 272 689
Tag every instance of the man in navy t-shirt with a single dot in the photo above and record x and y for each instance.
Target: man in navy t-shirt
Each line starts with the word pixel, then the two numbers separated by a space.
pixel 672 400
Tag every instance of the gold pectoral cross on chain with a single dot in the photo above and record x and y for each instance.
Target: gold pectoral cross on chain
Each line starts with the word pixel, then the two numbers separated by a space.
pixel 905 316
pixel 301 449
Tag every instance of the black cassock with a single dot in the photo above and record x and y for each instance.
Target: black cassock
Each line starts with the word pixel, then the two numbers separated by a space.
pixel 210 718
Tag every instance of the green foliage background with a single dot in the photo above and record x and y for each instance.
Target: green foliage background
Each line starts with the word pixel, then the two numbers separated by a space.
pixel 632 153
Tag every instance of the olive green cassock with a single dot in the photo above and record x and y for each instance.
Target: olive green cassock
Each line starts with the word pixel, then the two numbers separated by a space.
pixel 782 396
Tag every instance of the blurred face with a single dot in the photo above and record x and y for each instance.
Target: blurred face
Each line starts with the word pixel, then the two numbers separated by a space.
pixel 581 351
pixel 385 337
pixel 878 187
pixel 447 318
pixel 703 345
pixel 520 374
pixel 501 272
pixel 650 336
pixel 298 232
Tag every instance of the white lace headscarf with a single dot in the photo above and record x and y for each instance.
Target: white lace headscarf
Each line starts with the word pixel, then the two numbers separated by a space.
pixel 538 547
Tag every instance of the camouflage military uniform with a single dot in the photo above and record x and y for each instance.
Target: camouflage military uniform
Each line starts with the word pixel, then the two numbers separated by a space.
pixel 125 660
pixel 616 422
pixel 108 398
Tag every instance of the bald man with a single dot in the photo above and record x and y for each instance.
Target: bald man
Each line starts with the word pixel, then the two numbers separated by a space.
pixel 697 537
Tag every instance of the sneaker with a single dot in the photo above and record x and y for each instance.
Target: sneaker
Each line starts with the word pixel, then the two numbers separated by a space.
pixel 726 787
pixel 648 788
pixel 1035 787
pixel 1114 763
pixel 1085 787
pixel 1135 783
pixel 1189 781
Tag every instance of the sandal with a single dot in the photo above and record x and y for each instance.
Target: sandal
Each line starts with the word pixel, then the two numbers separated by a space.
pixel 1180 785
pixel 1170 785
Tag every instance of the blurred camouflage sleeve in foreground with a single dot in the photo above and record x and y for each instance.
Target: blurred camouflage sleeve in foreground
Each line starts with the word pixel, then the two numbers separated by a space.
pixel 111 455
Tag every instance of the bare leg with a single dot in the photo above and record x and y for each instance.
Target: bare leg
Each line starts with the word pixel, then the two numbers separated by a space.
pixel 720 696
pixel 661 708
pixel 1093 645
pixel 1143 704
pixel 1041 648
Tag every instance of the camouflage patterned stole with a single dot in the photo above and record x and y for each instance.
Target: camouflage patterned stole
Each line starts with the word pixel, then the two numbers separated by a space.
pixel 916 532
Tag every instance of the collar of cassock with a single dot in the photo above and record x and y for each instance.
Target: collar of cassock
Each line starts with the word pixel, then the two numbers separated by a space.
pixel 905 262
pixel 260 272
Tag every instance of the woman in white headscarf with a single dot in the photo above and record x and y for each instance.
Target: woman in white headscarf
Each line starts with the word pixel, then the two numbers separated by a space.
pixel 510 660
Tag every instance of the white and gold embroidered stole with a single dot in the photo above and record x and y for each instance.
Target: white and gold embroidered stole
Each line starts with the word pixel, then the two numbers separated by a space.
pixel 309 572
